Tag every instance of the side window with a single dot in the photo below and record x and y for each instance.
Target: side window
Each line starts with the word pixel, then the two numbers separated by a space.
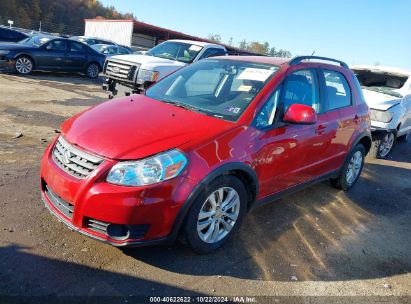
pixel 302 87
pixel 267 114
pixel 122 51
pixel 110 51
pixel 77 47
pixel 211 52
pixel 338 91
pixel 57 45
pixel 202 82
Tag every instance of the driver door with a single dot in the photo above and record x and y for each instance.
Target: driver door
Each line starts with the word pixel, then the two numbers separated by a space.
pixel 291 151
pixel 53 55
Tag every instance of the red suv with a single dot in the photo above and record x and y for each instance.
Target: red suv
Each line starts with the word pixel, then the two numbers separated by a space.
pixel 205 145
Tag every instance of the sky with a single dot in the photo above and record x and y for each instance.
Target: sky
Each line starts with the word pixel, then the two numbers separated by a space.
pixel 358 32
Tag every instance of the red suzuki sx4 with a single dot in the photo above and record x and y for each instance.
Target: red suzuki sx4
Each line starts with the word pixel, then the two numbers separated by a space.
pixel 203 146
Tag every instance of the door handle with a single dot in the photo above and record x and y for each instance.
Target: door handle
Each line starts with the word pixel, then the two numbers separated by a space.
pixel 320 129
pixel 356 118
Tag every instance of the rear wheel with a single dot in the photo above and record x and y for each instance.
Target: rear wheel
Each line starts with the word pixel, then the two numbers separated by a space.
pixel 24 65
pixel 382 144
pixel 351 170
pixel 215 215
pixel 92 70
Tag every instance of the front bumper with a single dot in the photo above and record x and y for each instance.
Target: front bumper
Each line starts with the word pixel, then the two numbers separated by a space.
pixel 6 65
pixel 148 212
pixel 115 87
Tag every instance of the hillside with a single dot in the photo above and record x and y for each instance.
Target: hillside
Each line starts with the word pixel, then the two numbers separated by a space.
pixel 62 16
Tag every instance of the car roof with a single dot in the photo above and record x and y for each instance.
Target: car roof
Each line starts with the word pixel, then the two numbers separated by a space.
pixel 257 59
pixel 386 69
pixel 199 43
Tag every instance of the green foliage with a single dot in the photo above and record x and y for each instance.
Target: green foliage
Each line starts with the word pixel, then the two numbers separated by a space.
pixel 214 37
pixel 63 16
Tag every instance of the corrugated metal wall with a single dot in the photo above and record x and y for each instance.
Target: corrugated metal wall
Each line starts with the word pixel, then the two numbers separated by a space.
pixel 117 31
pixel 143 41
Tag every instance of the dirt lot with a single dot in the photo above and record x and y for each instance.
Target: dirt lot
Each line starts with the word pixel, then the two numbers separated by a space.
pixel 316 242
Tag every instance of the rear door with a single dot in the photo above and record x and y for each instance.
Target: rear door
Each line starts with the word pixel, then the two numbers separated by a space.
pixel 340 107
pixel 77 56
pixel 52 55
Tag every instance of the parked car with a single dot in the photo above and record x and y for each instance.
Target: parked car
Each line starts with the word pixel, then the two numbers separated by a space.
pixel 203 146
pixel 111 50
pixel 50 54
pixel 10 35
pixel 129 74
pixel 92 40
pixel 388 93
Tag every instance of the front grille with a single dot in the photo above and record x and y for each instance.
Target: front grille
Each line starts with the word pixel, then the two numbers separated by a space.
pixel 74 161
pixel 121 70
pixel 135 231
pixel 64 207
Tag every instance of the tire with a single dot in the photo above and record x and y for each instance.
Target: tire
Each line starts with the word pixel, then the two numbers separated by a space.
pixel 92 70
pixel 198 233
pixel 382 144
pixel 23 65
pixel 351 170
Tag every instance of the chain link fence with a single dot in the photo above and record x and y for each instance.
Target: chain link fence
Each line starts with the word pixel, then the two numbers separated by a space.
pixel 44 26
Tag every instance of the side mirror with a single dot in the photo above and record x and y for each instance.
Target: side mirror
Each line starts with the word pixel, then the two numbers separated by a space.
pixel 300 114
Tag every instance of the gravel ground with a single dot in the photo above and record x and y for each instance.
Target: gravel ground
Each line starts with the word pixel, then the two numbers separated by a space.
pixel 318 242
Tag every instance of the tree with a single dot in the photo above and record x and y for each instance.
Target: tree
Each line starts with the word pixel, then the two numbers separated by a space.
pixel 214 37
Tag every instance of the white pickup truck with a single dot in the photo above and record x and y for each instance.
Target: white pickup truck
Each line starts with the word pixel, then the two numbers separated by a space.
pixel 387 92
pixel 130 74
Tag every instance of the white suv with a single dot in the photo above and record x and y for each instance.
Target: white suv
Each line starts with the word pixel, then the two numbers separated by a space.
pixel 387 92
pixel 129 74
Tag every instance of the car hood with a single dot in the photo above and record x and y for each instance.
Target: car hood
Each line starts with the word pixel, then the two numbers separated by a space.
pixel 136 126
pixel 380 101
pixel 148 61
pixel 15 46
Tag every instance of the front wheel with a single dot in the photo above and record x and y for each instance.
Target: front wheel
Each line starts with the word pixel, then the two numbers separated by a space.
pixel 351 170
pixel 215 215
pixel 382 144
pixel 24 65
pixel 92 70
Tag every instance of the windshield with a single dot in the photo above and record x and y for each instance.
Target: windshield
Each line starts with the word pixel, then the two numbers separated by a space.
pixel 35 40
pixel 215 87
pixel 184 52
pixel 381 82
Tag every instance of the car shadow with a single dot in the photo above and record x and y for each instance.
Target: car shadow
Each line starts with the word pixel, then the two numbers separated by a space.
pixel 61 278
pixel 67 77
pixel 316 234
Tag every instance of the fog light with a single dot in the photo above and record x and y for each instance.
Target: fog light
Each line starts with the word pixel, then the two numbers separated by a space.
pixel 118 232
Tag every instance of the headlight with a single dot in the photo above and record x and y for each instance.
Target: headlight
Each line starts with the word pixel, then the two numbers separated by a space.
pixel 147 76
pixel 4 52
pixel 148 171
pixel 381 116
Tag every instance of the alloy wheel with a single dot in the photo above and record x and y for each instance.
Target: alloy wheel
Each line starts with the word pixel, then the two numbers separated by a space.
pixel 354 167
pixel 92 70
pixel 218 215
pixel 386 144
pixel 24 65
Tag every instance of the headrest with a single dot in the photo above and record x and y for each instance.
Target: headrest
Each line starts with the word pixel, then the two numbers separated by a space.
pixel 393 83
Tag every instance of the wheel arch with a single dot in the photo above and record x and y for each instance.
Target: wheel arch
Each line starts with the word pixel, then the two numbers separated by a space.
pixel 365 139
pixel 242 171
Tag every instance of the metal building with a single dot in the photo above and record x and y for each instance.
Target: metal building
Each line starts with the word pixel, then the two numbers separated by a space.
pixel 140 35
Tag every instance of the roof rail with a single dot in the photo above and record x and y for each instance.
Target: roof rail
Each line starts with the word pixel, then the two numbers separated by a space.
pixel 298 59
